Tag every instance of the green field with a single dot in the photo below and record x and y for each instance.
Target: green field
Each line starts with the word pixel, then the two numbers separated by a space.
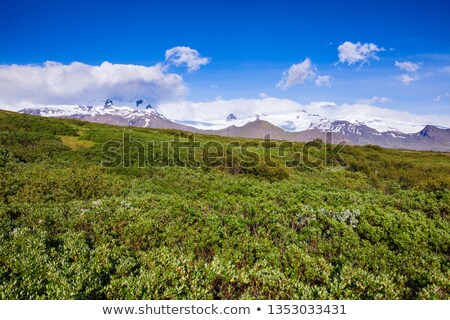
pixel 373 226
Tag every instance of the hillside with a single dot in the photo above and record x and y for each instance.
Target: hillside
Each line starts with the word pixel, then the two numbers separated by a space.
pixel 351 222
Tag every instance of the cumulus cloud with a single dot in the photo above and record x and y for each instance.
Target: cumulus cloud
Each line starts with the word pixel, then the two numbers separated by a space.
pixel 323 81
pixel 296 74
pixel 407 66
pixel 411 71
pixel 300 73
pixel 407 79
pixel 351 53
pixel 191 58
pixel 74 83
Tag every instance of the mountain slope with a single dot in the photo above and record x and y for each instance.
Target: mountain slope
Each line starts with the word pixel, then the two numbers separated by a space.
pixel 257 129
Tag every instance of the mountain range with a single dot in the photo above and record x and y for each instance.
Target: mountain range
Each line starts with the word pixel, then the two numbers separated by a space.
pixel 355 133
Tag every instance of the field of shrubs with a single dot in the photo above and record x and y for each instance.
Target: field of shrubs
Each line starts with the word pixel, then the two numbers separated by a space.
pixel 356 222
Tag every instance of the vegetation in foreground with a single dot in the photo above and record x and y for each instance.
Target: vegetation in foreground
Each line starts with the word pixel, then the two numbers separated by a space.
pixel 377 228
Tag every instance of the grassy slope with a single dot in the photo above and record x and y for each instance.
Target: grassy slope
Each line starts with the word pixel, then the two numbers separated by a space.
pixel 376 229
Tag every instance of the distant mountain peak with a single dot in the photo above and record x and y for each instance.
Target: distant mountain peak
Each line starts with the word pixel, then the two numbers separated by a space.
pixel 231 117
pixel 108 103
pixel 110 114
pixel 434 132
pixel 139 102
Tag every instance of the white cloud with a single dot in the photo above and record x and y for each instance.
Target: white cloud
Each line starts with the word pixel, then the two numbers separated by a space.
pixel 186 56
pixel 375 99
pixel 439 97
pixel 76 83
pixel 445 69
pixel 213 114
pixel 300 73
pixel 351 53
pixel 407 79
pixel 323 81
pixel 381 99
pixel 220 109
pixel 411 71
pixel 407 66
pixel 296 74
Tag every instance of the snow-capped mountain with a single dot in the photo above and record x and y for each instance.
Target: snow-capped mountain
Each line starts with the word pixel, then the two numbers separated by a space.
pixel 299 122
pixel 301 127
pixel 231 117
pixel 108 113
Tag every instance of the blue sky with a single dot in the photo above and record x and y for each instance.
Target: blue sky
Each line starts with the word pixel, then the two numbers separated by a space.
pixel 249 44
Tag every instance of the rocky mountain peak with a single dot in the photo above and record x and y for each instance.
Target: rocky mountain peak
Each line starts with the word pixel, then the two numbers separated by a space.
pixel 433 132
pixel 139 102
pixel 108 103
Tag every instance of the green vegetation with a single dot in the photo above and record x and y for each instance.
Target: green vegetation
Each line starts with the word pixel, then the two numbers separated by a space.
pixel 378 228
